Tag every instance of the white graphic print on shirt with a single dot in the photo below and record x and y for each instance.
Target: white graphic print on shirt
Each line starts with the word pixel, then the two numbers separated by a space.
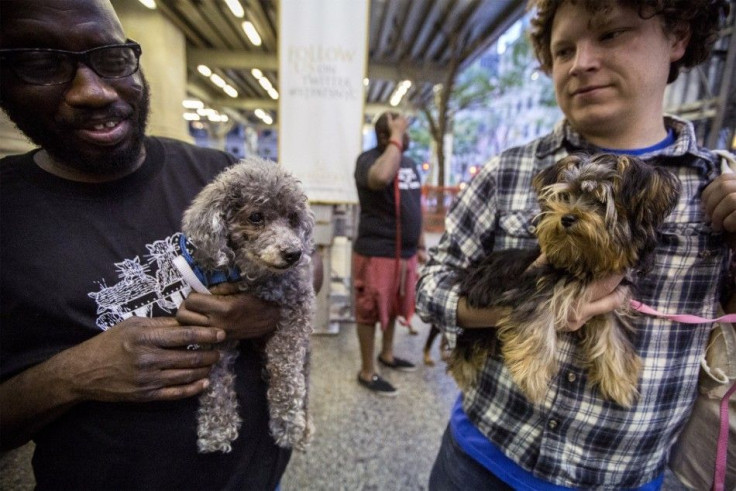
pixel 408 179
pixel 139 292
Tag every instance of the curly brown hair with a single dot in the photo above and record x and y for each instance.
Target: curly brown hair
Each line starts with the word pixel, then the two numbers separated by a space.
pixel 702 17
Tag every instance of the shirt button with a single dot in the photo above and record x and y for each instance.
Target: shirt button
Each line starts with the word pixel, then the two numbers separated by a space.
pixel 552 424
pixel 571 377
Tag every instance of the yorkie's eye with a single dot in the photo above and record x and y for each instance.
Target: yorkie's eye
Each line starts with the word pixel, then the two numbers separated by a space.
pixel 563 196
pixel 256 218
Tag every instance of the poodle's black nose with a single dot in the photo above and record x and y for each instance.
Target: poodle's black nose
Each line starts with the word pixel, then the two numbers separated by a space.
pixel 568 220
pixel 291 256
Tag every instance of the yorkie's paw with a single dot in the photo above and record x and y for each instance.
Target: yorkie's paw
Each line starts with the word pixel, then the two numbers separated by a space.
pixel 617 376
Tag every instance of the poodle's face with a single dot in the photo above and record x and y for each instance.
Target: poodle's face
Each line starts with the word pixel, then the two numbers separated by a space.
pixel 254 216
pixel 270 232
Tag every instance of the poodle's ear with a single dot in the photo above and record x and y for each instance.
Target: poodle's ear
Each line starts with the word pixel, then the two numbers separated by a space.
pixel 205 225
pixel 308 227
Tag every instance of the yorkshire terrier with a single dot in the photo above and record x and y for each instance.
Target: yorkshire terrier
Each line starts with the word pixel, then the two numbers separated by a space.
pixel 599 216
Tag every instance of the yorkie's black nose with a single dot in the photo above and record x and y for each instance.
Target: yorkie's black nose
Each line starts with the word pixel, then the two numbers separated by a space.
pixel 568 220
pixel 291 256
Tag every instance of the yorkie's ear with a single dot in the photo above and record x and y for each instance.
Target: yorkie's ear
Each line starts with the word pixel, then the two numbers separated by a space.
pixel 554 173
pixel 205 225
pixel 651 191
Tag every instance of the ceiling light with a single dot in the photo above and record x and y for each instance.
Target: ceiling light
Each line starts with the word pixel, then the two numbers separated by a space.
pixel 263 116
pixel 192 104
pixel 230 90
pixel 250 31
pixel 151 4
pixel 191 116
pixel 217 80
pixel 265 83
pixel 257 74
pixel 274 94
pixel 204 70
pixel 400 92
pixel 235 8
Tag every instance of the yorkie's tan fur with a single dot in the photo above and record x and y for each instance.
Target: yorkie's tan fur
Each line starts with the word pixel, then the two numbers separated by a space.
pixel 599 216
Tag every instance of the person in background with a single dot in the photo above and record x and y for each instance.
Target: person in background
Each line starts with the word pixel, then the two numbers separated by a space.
pixel 610 61
pixel 95 368
pixel 388 248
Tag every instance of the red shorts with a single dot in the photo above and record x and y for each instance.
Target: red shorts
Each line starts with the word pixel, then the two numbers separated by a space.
pixel 382 289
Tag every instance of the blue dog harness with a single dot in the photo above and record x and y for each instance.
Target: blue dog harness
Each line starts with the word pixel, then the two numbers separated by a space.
pixel 199 279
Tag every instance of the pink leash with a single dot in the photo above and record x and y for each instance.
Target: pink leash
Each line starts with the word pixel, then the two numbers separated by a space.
pixel 719 477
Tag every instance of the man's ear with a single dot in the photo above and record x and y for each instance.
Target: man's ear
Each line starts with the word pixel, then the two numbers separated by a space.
pixel 679 41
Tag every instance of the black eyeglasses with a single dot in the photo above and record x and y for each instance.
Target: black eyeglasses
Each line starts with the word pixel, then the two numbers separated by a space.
pixel 40 66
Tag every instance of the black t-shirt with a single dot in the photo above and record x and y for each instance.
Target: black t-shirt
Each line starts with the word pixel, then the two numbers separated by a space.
pixel 377 224
pixel 77 258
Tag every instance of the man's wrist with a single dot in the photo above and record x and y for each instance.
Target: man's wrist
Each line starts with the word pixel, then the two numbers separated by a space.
pixel 396 143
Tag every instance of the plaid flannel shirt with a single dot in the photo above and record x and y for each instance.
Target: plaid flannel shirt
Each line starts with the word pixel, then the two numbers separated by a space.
pixel 575 438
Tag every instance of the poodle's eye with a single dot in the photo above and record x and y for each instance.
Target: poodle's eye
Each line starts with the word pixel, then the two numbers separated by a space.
pixel 294 220
pixel 256 218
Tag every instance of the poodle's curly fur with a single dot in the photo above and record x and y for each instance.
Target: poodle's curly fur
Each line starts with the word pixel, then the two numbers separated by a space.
pixel 254 216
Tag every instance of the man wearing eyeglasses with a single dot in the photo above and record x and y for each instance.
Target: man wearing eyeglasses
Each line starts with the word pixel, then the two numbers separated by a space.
pixel 94 366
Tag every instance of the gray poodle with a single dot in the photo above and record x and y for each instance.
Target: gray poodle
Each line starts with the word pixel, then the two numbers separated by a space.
pixel 254 220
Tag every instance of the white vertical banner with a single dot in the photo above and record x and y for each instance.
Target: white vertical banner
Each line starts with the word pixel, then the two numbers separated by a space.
pixel 322 63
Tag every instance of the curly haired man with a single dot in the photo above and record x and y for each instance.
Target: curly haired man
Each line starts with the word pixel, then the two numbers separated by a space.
pixel 610 61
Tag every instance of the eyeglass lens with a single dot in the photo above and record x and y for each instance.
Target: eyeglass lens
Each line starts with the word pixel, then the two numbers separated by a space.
pixel 53 67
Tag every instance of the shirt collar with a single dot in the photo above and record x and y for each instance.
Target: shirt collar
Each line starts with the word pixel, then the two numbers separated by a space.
pixel 564 137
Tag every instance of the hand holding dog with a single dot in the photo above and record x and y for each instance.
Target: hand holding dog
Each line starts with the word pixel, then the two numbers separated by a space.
pixel 144 359
pixel 607 295
pixel 140 359
pixel 240 315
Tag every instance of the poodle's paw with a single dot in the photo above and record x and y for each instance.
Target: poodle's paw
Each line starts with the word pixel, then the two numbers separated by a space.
pixel 295 434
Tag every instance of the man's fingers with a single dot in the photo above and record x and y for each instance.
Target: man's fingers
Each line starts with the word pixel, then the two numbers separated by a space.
pixel 723 215
pixel 607 303
pixel 172 378
pixel 186 335
pixel 225 289
pixel 183 359
pixel 188 317
pixel 177 392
